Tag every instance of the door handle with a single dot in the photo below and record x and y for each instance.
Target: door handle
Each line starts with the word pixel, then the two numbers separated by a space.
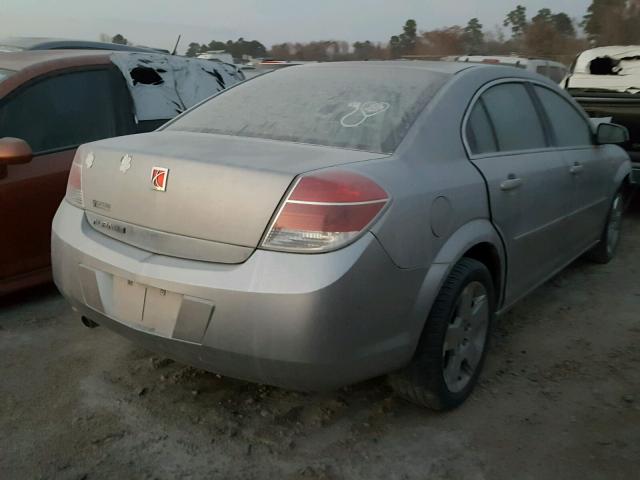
pixel 576 168
pixel 511 183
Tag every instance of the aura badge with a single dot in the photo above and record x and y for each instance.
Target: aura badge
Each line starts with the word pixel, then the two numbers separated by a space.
pixel 159 177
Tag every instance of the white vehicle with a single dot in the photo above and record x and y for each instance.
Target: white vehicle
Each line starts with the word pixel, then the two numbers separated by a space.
pixel 614 68
pixel 556 71
pixel 217 55
pixel 605 81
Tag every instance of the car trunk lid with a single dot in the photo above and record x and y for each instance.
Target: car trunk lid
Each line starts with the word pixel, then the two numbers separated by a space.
pixel 213 195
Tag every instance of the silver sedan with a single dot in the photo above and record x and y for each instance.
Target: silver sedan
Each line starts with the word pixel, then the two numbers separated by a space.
pixel 328 223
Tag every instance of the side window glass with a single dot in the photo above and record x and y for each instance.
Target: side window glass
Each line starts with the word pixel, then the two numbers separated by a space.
pixel 480 135
pixel 569 127
pixel 62 111
pixel 514 117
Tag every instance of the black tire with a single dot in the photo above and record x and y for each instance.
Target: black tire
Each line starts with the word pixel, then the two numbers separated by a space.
pixel 606 248
pixel 423 380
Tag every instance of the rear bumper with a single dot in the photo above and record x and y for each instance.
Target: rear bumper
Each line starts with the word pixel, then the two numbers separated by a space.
pixel 299 321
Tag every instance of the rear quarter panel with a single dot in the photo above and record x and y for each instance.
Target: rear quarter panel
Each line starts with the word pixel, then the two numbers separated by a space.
pixel 436 190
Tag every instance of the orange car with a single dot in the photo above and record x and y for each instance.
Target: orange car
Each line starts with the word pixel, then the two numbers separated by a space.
pixel 50 103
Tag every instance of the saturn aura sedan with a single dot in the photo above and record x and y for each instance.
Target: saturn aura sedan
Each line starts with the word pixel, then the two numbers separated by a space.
pixel 328 223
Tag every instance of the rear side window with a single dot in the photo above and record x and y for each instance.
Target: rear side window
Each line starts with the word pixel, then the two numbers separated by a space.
pixel 514 117
pixel 63 111
pixel 480 134
pixel 356 107
pixel 569 127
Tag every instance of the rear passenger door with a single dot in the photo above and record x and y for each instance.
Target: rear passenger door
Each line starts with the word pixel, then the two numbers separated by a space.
pixel 529 189
pixel 573 138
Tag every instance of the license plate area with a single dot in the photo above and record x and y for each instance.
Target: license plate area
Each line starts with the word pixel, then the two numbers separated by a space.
pixel 161 309
pixel 147 308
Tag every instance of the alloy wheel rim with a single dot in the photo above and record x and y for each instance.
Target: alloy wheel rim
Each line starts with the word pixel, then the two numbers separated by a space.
pixel 613 228
pixel 466 335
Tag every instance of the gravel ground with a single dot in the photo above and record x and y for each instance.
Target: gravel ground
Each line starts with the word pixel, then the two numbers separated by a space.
pixel 559 398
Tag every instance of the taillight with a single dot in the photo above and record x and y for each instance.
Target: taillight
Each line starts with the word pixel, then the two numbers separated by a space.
pixel 325 211
pixel 74 184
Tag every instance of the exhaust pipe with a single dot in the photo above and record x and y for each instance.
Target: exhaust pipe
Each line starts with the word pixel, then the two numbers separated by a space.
pixel 87 322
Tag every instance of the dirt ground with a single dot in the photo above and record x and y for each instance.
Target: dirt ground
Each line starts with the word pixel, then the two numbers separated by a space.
pixel 559 399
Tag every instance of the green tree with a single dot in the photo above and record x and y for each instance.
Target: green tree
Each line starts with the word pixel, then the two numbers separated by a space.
pixel 363 50
pixel 564 24
pixel 550 35
pixel 517 19
pixel 194 49
pixel 216 45
pixel 544 15
pixel 612 22
pixel 561 22
pixel 405 43
pixel 395 46
pixel 597 13
pixel 243 47
pixel 409 36
pixel 237 49
pixel 119 39
pixel 473 36
pixel 369 51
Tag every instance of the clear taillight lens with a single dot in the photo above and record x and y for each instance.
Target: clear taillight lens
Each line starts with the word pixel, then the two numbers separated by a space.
pixel 74 184
pixel 325 211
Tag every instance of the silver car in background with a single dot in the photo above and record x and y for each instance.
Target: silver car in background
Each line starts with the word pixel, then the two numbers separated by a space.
pixel 328 223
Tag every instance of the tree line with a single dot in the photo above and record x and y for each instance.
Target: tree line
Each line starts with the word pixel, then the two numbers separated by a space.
pixel 545 34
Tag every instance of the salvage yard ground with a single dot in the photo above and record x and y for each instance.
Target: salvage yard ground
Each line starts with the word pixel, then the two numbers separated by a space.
pixel 559 398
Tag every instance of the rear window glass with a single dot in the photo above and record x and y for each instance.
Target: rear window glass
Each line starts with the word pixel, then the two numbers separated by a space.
pixel 364 108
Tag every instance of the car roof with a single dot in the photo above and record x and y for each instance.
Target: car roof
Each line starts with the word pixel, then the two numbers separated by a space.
pixel 47 43
pixel 17 61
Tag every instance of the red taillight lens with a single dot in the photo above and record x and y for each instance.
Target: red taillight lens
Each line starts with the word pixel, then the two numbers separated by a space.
pixel 74 184
pixel 325 211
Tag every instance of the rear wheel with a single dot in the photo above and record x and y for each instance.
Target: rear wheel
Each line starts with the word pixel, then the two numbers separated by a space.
pixel 451 351
pixel 605 250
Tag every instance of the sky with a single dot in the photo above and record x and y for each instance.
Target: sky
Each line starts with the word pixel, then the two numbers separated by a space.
pixel 158 23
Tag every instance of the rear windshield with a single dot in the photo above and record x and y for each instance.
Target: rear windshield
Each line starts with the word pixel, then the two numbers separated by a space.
pixel 367 108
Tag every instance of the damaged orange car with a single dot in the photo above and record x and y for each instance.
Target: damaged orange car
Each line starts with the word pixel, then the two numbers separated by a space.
pixel 53 101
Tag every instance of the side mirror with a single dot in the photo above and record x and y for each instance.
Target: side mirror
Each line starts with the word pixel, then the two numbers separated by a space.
pixel 14 151
pixel 611 133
